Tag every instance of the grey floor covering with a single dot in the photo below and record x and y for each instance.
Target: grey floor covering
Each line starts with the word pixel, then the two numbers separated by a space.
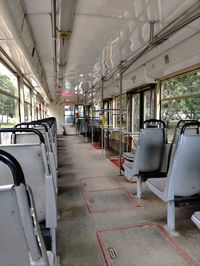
pixel 92 196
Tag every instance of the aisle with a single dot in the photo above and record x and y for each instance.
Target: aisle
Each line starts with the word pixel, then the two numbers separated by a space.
pixel 102 223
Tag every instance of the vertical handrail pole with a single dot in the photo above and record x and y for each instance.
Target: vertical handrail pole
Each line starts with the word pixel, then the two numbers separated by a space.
pixel 120 118
pixel 102 113
pixel 86 121
pixel 92 117
pixel 127 118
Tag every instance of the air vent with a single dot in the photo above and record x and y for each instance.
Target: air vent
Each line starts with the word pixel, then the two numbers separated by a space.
pixel 33 51
pixel 166 58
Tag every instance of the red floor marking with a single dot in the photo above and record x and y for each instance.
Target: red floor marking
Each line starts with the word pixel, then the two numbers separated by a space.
pixel 164 234
pixel 92 210
pixel 102 210
pixel 136 200
pixel 116 162
pixel 103 189
pixel 97 146
pixel 94 177
pixel 96 190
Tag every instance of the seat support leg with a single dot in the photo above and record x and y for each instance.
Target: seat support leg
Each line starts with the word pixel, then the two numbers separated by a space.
pixel 53 244
pixel 139 186
pixel 171 215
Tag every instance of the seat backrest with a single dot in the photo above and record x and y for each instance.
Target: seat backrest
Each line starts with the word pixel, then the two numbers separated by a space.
pixel 19 244
pixel 150 150
pixel 188 131
pixel 179 126
pixel 25 138
pixel 32 159
pixel 184 172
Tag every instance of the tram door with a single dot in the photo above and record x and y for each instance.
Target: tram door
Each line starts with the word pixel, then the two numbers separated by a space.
pixel 108 113
pixel 142 108
pixel 135 123
pixel 148 104
pixel 69 115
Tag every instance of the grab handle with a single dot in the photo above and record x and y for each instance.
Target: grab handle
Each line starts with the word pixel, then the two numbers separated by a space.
pixel 155 121
pixel 14 129
pixel 197 124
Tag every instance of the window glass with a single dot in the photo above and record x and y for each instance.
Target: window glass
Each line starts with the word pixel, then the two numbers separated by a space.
pixel 27 104
pixel 36 113
pixel 69 114
pixel 187 84
pixel 136 112
pixel 180 99
pixel 117 112
pixel 106 112
pixel 34 102
pixel 9 103
pixel 97 110
pixel 42 111
pixel 27 94
pixel 80 110
pixel 111 114
pixel 9 111
pixel 148 104
pixel 27 112
pixel 8 81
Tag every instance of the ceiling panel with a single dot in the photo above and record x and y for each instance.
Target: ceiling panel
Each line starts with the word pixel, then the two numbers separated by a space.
pixel 106 32
pixel 141 10
pixel 41 26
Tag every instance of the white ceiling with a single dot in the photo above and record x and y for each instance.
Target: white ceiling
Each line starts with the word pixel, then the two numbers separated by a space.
pixel 103 32
pixel 39 14
pixel 106 32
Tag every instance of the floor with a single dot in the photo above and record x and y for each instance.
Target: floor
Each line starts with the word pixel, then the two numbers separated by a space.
pixel 102 223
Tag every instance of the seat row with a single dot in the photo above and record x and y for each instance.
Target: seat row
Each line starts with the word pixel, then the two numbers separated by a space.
pixel 32 153
pixel 172 172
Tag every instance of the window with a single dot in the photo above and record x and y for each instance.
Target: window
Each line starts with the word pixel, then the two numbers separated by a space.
pixel 80 110
pixel 27 104
pixel 34 103
pixel 97 110
pixel 180 99
pixel 148 98
pixel 143 108
pixel 9 97
pixel 135 112
pixel 9 111
pixel 108 113
pixel 69 115
pixel 8 81
pixel 117 112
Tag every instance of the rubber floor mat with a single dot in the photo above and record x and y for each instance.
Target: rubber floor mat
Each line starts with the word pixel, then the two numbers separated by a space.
pixel 108 200
pixel 138 245
pixel 99 183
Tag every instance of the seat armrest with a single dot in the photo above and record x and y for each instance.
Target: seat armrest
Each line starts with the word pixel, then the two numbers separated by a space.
pixel 196 219
pixel 157 186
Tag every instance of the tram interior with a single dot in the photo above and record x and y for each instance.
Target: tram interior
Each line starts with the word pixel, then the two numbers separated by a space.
pixel 99 132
